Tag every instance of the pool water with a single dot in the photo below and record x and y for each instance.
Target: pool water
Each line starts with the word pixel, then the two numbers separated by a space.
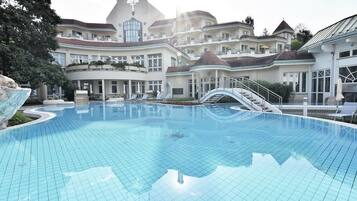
pixel 160 152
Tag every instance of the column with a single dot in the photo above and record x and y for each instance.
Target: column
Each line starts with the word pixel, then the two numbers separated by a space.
pixel 129 89
pixel 193 85
pixel 209 83
pixel 199 87
pixel 79 84
pixel 103 90
pixel 216 84
pixel 60 92
pixel 139 88
pixel 124 91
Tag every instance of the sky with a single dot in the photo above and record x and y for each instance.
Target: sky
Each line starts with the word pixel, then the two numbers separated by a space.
pixel 314 14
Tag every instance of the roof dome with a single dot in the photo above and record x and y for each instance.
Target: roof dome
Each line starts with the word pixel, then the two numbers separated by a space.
pixel 209 58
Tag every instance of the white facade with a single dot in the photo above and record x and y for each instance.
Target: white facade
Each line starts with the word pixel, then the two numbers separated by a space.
pixel 148 44
pixel 145 12
pixel 335 52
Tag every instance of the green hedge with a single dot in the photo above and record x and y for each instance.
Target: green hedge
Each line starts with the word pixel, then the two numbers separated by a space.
pixel 281 89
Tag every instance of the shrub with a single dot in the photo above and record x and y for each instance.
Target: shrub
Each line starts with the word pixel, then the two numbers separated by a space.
pixel 97 63
pixel 120 66
pixel 19 118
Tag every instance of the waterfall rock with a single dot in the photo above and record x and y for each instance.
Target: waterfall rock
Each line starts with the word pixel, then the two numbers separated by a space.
pixel 12 97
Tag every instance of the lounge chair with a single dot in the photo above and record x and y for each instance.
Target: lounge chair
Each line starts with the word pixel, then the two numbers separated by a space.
pixel 348 110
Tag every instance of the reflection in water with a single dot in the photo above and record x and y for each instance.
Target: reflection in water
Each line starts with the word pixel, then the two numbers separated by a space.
pixel 139 151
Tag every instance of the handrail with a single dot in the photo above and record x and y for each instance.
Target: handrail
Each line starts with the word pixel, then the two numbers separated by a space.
pixel 252 92
pixel 269 92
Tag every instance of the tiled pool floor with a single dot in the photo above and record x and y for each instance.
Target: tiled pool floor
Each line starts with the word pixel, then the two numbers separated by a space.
pixel 152 152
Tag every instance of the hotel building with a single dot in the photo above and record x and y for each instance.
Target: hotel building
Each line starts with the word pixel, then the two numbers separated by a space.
pixel 138 51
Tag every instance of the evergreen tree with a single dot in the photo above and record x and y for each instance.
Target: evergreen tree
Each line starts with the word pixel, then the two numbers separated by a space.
pixel 27 35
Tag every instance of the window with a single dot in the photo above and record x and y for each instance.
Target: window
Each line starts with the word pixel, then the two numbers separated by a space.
pixel 114 87
pixel 173 62
pixel 207 38
pixel 76 34
pixel 345 54
pixel 133 31
pixel 59 58
pixel 321 83
pixel 155 85
pixel 190 87
pixel 354 52
pixel 297 80
pixel 225 36
pixel 245 33
pixel 120 59
pixel 155 62
pixel 177 91
pixel 244 48
pixel 280 47
pixel 225 50
pixel 105 59
pixel 138 59
pixel 79 59
pixel 348 74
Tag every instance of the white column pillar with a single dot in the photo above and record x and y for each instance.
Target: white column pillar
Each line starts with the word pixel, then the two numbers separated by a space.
pixel 193 85
pixel 124 91
pixel 79 84
pixel 60 92
pixel 199 87
pixel 138 87
pixel 216 84
pixel 103 90
pixel 129 89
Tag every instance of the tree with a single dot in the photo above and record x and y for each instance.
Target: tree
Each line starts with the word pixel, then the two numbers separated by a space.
pixel 295 44
pixel 249 20
pixel 302 35
pixel 27 35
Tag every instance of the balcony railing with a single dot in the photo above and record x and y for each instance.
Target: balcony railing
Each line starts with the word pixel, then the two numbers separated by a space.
pixel 105 67
pixel 105 39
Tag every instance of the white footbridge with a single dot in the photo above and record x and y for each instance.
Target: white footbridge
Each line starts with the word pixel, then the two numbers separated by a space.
pixel 250 94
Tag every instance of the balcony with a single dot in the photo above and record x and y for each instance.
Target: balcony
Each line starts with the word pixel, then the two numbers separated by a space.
pixel 208 41
pixel 102 39
pixel 160 37
pixel 106 72
pixel 105 67
pixel 237 53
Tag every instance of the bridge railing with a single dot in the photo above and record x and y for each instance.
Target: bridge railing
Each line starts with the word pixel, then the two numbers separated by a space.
pixel 237 83
pixel 270 96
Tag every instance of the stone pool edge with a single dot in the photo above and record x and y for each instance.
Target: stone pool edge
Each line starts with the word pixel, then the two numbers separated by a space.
pixel 354 126
pixel 33 112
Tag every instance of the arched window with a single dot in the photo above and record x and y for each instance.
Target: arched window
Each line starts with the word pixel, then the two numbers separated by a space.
pixel 133 31
pixel 348 74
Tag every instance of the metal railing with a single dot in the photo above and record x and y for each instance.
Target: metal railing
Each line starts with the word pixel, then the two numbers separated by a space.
pixel 237 83
pixel 270 96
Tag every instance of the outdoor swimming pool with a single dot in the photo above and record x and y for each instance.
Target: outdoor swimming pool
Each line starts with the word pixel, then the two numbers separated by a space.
pixel 161 152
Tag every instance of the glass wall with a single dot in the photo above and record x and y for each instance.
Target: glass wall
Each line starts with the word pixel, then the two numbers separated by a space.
pixel 133 31
pixel 321 83
pixel 59 58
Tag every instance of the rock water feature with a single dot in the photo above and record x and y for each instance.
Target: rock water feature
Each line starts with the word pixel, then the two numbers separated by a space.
pixel 12 97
